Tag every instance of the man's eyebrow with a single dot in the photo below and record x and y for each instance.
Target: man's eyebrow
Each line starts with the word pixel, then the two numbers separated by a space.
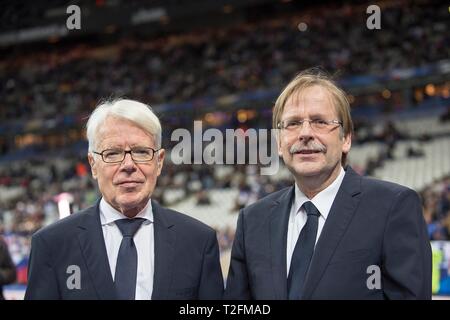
pixel 311 116
pixel 318 115
pixel 116 147
pixel 109 147
pixel 138 146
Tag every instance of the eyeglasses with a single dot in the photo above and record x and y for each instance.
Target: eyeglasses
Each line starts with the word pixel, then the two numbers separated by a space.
pixel 118 155
pixel 318 125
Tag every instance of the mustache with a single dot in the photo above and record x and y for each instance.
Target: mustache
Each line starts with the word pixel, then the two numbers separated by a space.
pixel 312 146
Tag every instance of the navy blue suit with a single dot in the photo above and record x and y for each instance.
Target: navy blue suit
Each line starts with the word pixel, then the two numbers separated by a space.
pixel 186 262
pixel 371 222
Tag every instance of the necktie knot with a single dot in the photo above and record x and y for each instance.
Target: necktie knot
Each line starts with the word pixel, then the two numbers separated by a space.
pixel 311 209
pixel 129 227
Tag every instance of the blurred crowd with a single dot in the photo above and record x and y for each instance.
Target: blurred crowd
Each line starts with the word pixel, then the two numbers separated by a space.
pixel 436 206
pixel 59 86
pixel 68 79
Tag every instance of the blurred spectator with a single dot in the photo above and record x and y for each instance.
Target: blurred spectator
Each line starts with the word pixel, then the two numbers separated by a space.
pixel 445 116
pixel 7 267
pixel 436 208
pixel 203 198
pixel 414 152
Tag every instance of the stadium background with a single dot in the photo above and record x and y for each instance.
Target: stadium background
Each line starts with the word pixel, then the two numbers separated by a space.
pixel 224 63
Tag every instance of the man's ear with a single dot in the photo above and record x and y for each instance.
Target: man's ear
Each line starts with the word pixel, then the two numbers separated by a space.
pixel 93 165
pixel 347 143
pixel 160 160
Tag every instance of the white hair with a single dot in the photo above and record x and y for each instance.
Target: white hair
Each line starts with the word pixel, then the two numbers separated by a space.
pixel 131 110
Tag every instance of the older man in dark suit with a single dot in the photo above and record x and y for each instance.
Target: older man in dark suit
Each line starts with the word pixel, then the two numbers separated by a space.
pixel 126 246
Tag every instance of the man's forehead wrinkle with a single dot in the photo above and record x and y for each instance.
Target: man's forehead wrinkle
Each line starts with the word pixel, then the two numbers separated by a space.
pixel 309 106
pixel 103 136
pixel 307 100
pixel 112 137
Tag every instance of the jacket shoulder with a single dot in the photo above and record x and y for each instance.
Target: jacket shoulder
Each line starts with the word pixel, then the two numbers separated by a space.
pixel 268 201
pixel 187 222
pixel 370 184
pixel 62 227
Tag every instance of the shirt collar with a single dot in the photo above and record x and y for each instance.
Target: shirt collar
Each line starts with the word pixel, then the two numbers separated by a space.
pixel 323 200
pixel 108 214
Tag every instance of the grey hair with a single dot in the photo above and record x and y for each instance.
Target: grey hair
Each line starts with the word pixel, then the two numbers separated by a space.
pixel 131 110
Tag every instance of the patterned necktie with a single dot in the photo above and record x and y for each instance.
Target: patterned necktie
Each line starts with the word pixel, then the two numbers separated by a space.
pixel 303 252
pixel 127 260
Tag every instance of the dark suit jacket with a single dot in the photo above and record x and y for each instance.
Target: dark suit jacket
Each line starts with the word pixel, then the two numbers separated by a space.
pixel 371 222
pixel 186 258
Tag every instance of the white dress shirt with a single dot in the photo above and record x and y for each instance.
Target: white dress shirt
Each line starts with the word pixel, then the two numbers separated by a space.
pixel 143 239
pixel 297 218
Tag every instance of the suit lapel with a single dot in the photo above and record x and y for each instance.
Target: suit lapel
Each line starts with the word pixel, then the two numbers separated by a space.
pixel 164 244
pixel 341 213
pixel 92 243
pixel 278 238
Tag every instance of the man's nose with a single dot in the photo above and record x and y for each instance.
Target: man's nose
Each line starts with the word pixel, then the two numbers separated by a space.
pixel 128 163
pixel 306 132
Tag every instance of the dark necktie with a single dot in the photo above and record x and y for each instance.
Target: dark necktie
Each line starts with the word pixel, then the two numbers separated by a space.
pixel 303 252
pixel 127 260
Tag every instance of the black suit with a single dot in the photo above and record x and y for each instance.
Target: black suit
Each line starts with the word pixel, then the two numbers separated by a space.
pixel 186 262
pixel 371 222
